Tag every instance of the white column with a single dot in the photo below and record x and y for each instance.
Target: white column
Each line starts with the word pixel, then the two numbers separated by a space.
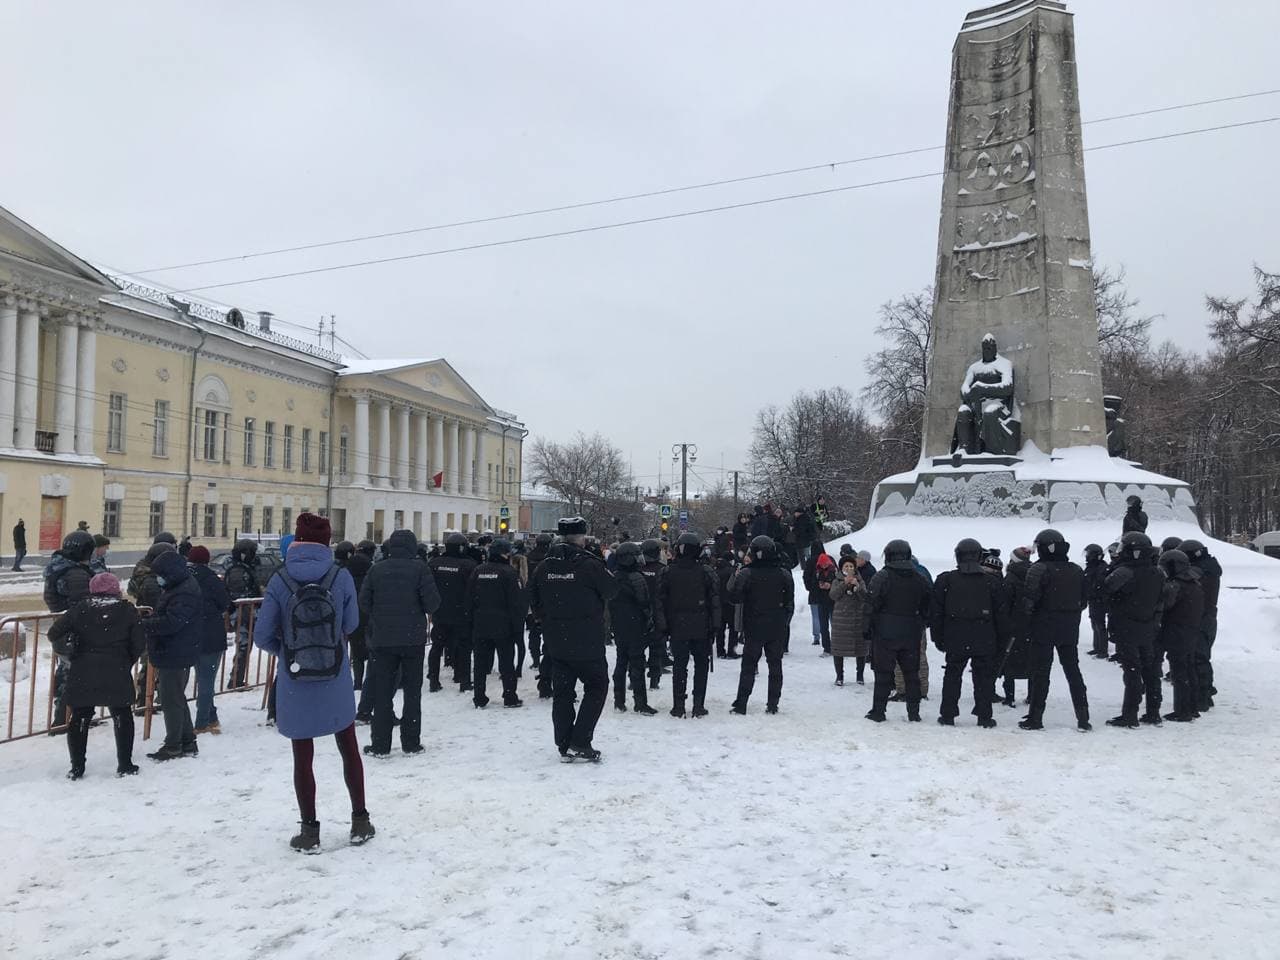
pixel 64 387
pixel 383 468
pixel 28 376
pixel 86 359
pixel 402 453
pixel 8 366
pixel 437 447
pixel 468 456
pixel 451 459
pixel 360 453
pixel 420 453
pixel 482 477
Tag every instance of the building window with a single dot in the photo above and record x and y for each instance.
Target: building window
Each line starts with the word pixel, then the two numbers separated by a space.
pixel 343 446
pixel 226 429
pixel 115 423
pixel 246 519
pixel 267 519
pixel 160 443
pixel 323 462
pixel 211 435
pixel 306 449
pixel 248 441
pixel 111 518
pixel 269 444
pixel 226 520
pixel 286 519
pixel 155 518
pixel 287 447
pixel 194 529
pixel 210 519
pixel 489 474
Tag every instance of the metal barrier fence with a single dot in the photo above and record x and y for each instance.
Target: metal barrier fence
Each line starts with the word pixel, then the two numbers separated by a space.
pixel 30 675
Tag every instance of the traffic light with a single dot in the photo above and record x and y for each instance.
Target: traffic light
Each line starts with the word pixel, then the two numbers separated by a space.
pixel 503 526
pixel 665 526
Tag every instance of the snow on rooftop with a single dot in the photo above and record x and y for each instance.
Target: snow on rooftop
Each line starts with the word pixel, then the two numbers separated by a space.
pixel 355 365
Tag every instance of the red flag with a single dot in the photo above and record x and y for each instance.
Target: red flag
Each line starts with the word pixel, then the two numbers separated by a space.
pixel 438 480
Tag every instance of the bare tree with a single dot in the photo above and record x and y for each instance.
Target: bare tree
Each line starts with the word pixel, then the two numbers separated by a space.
pixel 588 473
pixel 1120 329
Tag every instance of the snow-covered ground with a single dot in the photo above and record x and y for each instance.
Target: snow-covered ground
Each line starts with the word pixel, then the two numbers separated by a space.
pixel 814 833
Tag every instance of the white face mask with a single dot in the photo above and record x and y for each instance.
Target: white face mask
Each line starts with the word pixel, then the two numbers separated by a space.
pixel 161 581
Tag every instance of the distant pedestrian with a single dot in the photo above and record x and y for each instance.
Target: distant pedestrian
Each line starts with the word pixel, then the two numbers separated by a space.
pixel 1135 519
pixel 19 543
pixel 173 648
pixel 213 638
pixel 848 619
pixel 101 547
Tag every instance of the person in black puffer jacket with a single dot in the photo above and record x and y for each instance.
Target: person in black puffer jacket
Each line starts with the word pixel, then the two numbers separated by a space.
pixel 1135 518
pixel 496 609
pixel 173 646
pixel 66 582
pixel 970 624
pixel 631 617
pixel 1134 597
pixel 397 596
pixel 213 637
pixel 726 566
pixel 1211 584
pixel 541 546
pixel 1055 597
pixel 568 595
pixel 101 637
pixel 688 612
pixel 1095 575
pixel 450 630
pixel 1015 660
pixel 358 565
pixel 901 603
pixel 241 579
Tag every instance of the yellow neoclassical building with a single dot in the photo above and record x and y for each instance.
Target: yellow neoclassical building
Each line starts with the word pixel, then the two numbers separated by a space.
pixel 137 411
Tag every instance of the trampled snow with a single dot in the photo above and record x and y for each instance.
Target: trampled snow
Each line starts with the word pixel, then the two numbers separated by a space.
pixel 814 833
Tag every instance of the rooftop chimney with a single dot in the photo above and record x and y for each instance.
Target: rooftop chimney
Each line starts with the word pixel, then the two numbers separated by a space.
pixel 264 320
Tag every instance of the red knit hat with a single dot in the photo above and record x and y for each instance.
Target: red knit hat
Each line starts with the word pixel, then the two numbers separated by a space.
pixel 104 585
pixel 312 528
pixel 198 554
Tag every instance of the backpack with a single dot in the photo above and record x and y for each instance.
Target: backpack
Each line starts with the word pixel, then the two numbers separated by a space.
pixel 54 596
pixel 240 581
pixel 312 647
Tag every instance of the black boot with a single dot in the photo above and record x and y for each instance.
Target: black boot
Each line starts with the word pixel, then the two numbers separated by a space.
pixel 699 708
pixel 77 745
pixel 1128 723
pixel 361 829
pixel 620 704
pixel 307 839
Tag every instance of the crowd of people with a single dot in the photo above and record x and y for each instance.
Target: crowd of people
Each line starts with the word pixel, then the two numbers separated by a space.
pixel 356 619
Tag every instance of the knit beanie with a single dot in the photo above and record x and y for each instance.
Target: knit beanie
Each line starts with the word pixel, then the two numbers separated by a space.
pixel 198 554
pixel 104 585
pixel 312 528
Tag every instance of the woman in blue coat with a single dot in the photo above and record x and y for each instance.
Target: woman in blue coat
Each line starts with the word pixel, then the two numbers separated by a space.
pixel 311 707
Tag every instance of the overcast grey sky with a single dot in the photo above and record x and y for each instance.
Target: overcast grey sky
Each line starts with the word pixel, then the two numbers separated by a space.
pixel 146 134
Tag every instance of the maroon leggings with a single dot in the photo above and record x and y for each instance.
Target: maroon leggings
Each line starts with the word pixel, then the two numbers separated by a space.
pixel 304 781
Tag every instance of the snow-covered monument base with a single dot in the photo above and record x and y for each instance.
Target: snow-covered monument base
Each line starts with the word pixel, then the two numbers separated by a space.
pixel 1078 483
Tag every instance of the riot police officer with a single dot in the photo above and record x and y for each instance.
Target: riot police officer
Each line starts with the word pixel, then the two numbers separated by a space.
pixel 568 595
pixel 1211 584
pixel 1134 597
pixel 1095 575
pixel 970 623
pixel 495 610
pixel 901 604
pixel 689 614
pixel 631 616
pixel 652 568
pixel 1183 603
pixel 1055 598
pixel 766 592
pixel 450 628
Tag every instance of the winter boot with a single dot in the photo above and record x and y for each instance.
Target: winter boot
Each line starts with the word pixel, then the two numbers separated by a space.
pixel 433 686
pixel 1128 723
pixel 946 722
pixel 876 715
pixel 127 770
pixel 588 753
pixel 1029 724
pixel 361 829
pixel 307 839
pixel 913 712
pixel 677 709
pixel 77 745
pixel 1151 718
pixel 771 708
pixel 643 709
pixel 1176 717
pixel 986 723
pixel 739 708
pixel 511 700
pixel 165 753
pixel 699 709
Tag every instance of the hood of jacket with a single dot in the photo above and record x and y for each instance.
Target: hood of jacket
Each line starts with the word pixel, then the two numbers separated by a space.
pixel 171 568
pixel 402 545
pixel 308 562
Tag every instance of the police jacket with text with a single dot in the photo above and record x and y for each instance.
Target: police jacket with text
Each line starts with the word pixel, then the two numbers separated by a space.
pixel 495 602
pixel 652 572
pixel 688 601
pixel 452 573
pixel 970 612
pixel 1183 603
pixel 568 595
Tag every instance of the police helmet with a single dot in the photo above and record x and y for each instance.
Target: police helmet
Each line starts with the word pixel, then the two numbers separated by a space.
pixel 1174 562
pixel 244 550
pixel 164 536
pixel 1051 542
pixel 688 545
pixel 651 549
pixel 78 545
pixel 1194 549
pixel 499 550
pixel 1170 543
pixel 343 551
pixel 763 548
pixel 897 551
pixel 968 550
pixel 1135 545
pixel 628 554
pixel 1093 551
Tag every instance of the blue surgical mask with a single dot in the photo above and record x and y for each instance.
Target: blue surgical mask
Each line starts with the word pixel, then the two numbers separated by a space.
pixel 160 580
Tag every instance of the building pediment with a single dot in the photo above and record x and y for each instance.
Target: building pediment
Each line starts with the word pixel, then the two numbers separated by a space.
pixel 435 376
pixel 31 259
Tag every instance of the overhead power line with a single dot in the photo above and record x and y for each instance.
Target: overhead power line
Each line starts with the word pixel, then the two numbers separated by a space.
pixel 648 194
pixel 683 214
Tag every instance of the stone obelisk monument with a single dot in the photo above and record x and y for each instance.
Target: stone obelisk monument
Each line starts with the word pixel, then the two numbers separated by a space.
pixel 1014 422
pixel 1013 246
